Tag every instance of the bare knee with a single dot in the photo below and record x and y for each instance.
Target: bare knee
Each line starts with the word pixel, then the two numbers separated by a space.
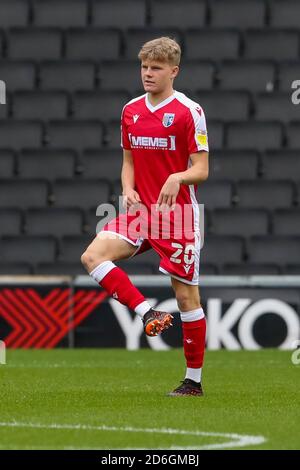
pixel 90 259
pixel 187 299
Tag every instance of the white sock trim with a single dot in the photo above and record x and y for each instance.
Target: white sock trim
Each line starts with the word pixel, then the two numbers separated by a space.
pixel 192 315
pixel 193 374
pixel 99 272
pixel 142 308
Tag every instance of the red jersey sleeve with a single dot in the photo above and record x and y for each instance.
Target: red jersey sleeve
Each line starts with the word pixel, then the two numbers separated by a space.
pixel 196 130
pixel 125 143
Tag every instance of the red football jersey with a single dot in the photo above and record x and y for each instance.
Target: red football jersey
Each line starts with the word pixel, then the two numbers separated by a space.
pixel 161 139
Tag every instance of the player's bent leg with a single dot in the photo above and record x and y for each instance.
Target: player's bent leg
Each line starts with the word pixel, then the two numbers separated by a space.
pixel 194 331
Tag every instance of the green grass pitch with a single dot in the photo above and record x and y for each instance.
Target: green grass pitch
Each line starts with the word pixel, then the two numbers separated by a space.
pixel 116 399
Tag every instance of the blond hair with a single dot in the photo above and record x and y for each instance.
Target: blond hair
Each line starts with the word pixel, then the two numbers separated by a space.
pixel 162 49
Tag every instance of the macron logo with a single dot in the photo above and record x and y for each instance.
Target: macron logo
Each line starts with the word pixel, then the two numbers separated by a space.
pixel 135 117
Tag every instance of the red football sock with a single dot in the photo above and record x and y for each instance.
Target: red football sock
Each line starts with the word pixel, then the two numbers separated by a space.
pixel 194 342
pixel 117 284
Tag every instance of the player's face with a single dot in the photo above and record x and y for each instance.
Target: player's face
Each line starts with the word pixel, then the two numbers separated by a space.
pixel 157 76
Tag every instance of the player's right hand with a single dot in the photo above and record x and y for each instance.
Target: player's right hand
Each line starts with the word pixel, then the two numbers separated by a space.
pixel 130 197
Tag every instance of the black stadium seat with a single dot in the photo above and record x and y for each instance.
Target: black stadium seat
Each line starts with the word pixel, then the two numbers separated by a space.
pixel 56 222
pixel 234 13
pixel 215 194
pixel 17 134
pixel 92 44
pixel 276 106
pixel 11 222
pixel 76 135
pixel 104 106
pixel 18 75
pixel 293 135
pixel 129 71
pixel 250 269
pixel 211 45
pixel 28 249
pixel 274 249
pixel 225 105
pixel 68 76
pixel 287 74
pixel 243 222
pixel 23 194
pixel 215 135
pixel 249 75
pixel 219 250
pixel 47 163
pixel 254 135
pixel 34 44
pixel 273 45
pixel 136 37
pixel 285 14
pixel 174 13
pixel 60 268
pixel 72 247
pixel 265 194
pixel 286 222
pixel 10 269
pixel 42 105
pixel 14 13
pixel 83 194
pixel 119 13
pixel 7 164
pixel 60 13
pixel 233 165
pixel 281 165
pixel 195 75
pixel 102 164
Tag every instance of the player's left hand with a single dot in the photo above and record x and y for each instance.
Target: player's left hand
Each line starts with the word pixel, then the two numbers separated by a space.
pixel 168 194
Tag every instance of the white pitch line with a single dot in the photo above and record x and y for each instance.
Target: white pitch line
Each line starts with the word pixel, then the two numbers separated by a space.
pixel 237 440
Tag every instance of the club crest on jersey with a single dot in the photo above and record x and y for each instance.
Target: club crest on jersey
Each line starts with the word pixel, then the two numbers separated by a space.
pixel 168 119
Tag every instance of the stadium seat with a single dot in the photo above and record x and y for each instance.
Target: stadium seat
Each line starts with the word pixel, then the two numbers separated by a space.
pixel 207 269
pixel 7 164
pixel 274 249
pixel 17 134
pixel 233 13
pixel 195 75
pixel 287 73
pixel 221 250
pixel 172 13
pixel 42 105
pixel 34 44
pixel 54 221
pixel 113 135
pixel 76 135
pixel 293 135
pixel 47 163
pixel 124 75
pixel 250 269
pixel 96 45
pixel 215 135
pixel 83 194
pixel 72 247
pixel 140 268
pixel 135 38
pixel 23 194
pixel 102 164
pixel 273 45
pixel 215 194
pixel 11 222
pixel 285 14
pixel 286 222
pixel 60 269
pixel 18 75
pixel 276 106
pixel 102 105
pixel 60 13
pixel 28 249
pixel 67 76
pixel 249 75
pixel 225 105
pixel 265 194
pixel 211 45
pixel 14 13
pixel 254 135
pixel 291 269
pixel 281 165
pixel 11 269
pixel 94 223
pixel 233 165
pixel 122 14
pixel 243 222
